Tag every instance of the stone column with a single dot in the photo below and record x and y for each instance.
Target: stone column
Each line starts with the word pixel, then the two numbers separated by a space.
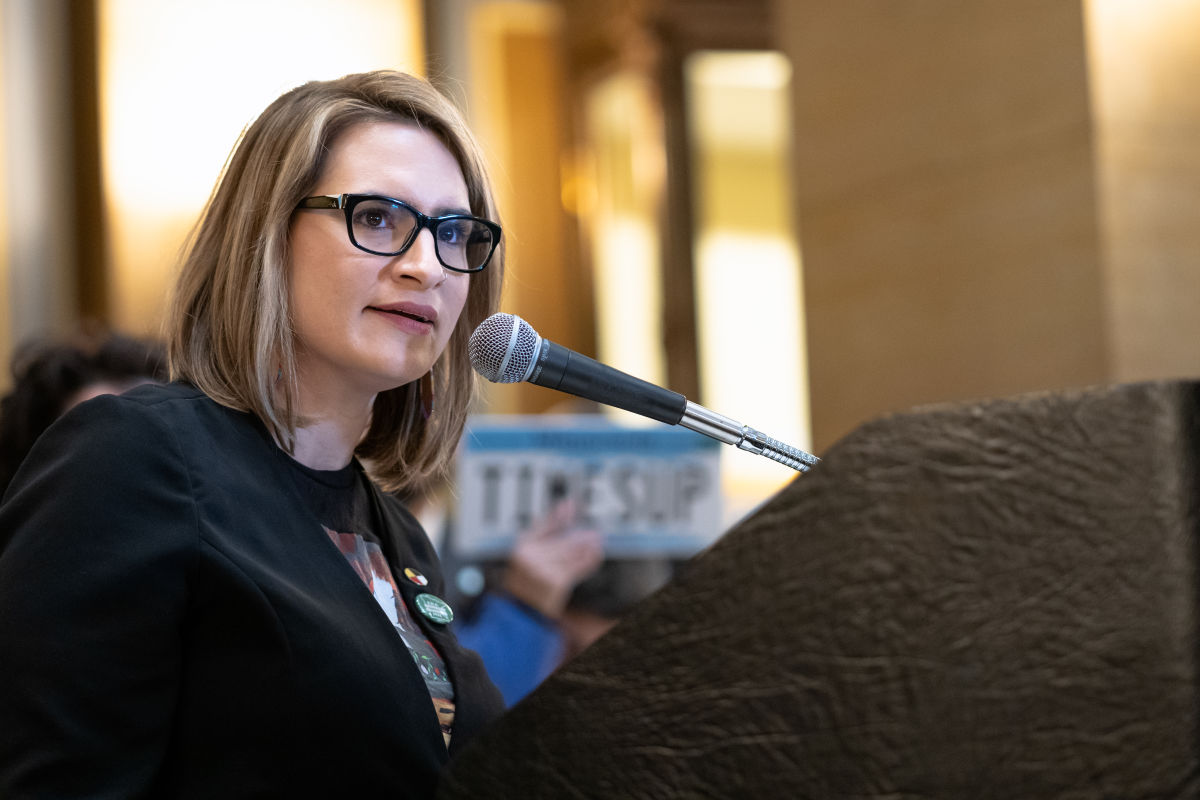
pixel 38 238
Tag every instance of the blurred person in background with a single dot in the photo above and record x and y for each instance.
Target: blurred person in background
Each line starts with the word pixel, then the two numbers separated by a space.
pixel 519 625
pixel 550 598
pixel 51 376
pixel 209 588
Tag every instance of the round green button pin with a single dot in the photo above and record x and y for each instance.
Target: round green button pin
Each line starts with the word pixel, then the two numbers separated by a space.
pixel 434 608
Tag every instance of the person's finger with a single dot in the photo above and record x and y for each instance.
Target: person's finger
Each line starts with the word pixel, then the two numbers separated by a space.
pixel 559 518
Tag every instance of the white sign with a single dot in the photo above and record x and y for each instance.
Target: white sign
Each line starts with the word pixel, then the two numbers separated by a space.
pixel 651 491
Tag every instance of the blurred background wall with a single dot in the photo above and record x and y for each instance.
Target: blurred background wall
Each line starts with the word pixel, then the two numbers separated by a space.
pixel 799 213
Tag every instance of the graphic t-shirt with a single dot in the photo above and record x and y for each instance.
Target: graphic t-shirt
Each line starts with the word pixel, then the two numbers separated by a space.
pixel 340 500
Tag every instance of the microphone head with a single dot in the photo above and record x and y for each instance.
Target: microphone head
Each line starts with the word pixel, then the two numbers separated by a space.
pixel 503 348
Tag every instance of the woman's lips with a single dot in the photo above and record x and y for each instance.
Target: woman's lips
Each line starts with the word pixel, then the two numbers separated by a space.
pixel 417 311
pixel 412 317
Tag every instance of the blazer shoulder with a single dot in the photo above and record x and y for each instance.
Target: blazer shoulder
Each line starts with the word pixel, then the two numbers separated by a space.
pixel 187 412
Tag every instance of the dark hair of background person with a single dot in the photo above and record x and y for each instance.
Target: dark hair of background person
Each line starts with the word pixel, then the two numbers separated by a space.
pixel 51 375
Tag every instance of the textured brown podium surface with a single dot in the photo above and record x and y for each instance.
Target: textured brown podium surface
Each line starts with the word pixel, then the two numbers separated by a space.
pixel 994 600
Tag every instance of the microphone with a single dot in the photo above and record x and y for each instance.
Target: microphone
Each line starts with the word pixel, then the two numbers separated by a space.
pixel 506 349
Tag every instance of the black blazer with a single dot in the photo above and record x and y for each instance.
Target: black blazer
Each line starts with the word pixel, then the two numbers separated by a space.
pixel 175 623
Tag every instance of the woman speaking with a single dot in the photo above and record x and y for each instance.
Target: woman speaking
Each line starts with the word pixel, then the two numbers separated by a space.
pixel 207 588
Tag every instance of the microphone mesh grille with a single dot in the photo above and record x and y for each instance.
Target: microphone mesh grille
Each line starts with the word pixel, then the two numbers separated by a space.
pixel 503 347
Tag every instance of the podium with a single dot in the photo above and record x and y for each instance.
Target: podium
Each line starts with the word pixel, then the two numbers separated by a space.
pixel 986 600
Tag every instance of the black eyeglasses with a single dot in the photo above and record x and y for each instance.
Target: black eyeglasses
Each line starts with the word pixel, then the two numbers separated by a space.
pixel 384 226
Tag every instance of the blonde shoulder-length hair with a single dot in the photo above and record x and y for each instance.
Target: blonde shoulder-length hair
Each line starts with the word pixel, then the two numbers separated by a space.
pixel 229 329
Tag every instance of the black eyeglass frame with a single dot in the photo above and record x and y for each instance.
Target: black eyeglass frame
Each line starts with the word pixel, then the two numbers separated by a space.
pixel 348 202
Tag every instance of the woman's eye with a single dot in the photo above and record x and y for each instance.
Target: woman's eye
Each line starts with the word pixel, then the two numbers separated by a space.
pixel 454 232
pixel 373 218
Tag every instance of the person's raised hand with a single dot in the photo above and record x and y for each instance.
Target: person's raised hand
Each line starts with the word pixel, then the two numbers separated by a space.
pixel 550 558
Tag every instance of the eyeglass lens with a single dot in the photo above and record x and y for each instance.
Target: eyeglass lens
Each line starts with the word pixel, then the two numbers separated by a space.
pixel 386 228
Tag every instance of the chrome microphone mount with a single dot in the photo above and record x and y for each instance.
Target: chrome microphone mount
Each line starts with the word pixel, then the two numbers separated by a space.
pixel 743 437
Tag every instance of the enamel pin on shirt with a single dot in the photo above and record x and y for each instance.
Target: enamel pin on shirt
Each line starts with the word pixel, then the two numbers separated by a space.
pixel 415 577
pixel 435 609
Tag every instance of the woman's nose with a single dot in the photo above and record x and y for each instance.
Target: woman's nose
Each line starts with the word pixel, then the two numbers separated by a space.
pixel 420 261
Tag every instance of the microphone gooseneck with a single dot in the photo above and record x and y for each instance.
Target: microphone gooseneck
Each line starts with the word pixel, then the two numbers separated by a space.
pixel 506 349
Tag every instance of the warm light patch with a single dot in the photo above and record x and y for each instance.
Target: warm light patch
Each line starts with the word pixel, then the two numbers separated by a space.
pixel 624 188
pixel 180 81
pixel 749 305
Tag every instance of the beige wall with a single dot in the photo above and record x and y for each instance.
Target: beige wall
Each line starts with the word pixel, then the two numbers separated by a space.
pixel 946 202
